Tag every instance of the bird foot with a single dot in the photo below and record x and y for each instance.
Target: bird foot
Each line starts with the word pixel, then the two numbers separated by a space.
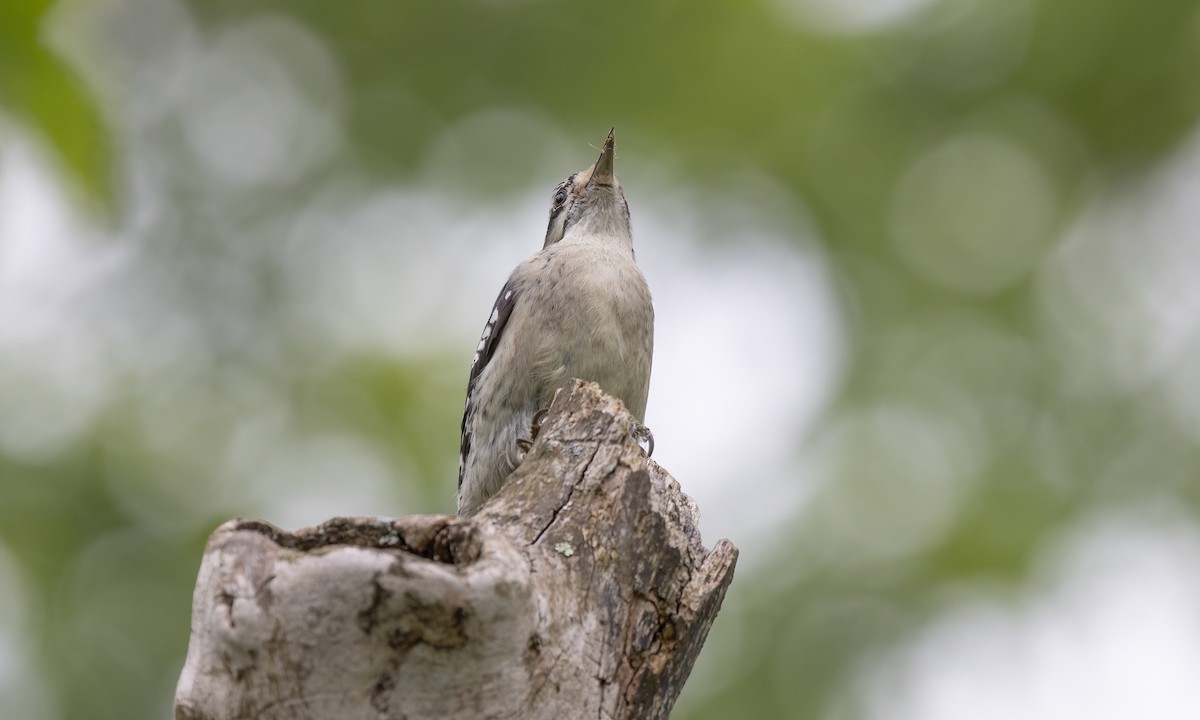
pixel 642 434
pixel 535 428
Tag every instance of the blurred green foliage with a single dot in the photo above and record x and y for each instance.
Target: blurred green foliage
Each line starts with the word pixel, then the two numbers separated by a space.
pixel 41 89
pixel 973 425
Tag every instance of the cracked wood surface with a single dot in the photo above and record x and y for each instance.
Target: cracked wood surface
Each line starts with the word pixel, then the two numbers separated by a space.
pixel 580 590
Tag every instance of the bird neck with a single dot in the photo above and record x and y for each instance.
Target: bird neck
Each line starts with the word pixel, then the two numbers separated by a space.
pixel 600 229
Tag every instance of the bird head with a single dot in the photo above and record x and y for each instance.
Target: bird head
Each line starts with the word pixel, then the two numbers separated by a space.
pixel 589 206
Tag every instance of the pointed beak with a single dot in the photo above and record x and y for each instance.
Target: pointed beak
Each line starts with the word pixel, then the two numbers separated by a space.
pixel 602 173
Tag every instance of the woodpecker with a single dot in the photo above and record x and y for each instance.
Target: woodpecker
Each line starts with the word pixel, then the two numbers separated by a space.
pixel 578 308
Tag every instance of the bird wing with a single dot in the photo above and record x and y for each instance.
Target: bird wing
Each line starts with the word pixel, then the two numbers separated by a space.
pixel 488 342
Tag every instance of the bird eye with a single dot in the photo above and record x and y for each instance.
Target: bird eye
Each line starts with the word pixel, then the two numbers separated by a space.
pixel 560 197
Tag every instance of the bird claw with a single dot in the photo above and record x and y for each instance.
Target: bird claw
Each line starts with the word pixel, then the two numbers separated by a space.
pixel 535 425
pixel 641 434
pixel 535 429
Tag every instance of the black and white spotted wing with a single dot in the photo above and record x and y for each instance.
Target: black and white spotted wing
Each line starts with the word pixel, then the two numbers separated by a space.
pixel 483 354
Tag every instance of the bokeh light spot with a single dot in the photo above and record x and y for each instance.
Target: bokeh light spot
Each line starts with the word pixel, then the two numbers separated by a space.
pixel 973 215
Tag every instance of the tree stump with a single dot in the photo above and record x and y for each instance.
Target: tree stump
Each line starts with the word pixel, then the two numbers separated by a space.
pixel 580 590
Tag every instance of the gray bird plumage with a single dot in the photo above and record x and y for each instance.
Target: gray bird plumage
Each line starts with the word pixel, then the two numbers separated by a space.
pixel 579 308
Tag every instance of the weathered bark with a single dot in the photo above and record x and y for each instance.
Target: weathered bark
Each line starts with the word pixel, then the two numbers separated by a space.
pixel 581 590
